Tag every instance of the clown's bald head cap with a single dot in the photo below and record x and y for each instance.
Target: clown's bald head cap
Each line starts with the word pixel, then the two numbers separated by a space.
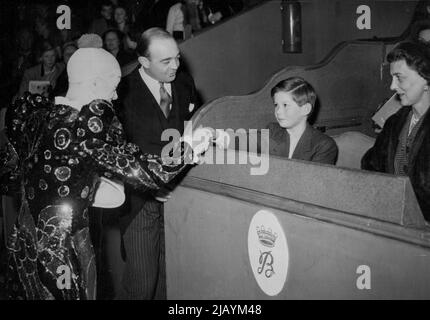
pixel 91 61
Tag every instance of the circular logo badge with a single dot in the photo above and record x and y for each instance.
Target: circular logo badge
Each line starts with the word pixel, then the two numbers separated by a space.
pixel 268 252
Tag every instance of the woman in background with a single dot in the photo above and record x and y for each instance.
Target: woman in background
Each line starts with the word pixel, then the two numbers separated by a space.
pixel 113 42
pixel 121 21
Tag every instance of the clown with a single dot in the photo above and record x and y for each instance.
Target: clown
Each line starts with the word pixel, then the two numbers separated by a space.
pixel 71 155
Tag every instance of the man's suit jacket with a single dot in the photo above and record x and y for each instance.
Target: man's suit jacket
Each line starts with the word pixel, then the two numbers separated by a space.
pixel 381 156
pixel 313 145
pixel 144 122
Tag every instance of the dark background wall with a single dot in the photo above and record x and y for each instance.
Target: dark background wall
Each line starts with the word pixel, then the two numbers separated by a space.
pixel 239 55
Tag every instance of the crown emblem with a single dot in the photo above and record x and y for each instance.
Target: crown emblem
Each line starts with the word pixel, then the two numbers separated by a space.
pixel 266 237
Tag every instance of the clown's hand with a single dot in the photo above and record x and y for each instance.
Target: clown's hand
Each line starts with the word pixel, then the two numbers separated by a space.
pixel 200 140
pixel 222 139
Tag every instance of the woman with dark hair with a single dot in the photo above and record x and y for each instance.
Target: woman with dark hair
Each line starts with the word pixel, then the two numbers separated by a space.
pixel 122 23
pixel 403 146
pixel 113 42
pixel 104 22
pixel 46 72
pixel 121 18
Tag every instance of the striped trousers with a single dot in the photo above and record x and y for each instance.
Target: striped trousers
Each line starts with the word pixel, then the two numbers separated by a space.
pixel 144 275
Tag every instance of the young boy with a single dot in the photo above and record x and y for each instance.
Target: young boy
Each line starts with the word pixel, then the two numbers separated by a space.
pixel 292 136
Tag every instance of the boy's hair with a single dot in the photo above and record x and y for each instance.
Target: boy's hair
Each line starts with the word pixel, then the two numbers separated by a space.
pixel 301 91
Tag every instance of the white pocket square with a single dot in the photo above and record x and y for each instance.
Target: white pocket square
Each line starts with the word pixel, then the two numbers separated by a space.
pixel 191 107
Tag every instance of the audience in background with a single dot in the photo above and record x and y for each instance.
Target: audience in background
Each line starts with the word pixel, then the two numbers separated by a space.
pixel 403 146
pixel 36 23
pixel 47 70
pixel 122 23
pixel 113 42
pixel 121 19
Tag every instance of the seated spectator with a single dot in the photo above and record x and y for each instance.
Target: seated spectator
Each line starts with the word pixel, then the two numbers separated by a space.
pixel 104 23
pixel 47 70
pixel 292 136
pixel 121 21
pixel 403 146
pixel 113 42
pixel 63 80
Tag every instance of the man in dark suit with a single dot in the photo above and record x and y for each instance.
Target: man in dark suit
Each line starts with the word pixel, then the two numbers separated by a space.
pixel 403 146
pixel 155 97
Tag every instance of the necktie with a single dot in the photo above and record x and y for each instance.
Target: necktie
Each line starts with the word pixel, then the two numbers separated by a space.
pixel 414 121
pixel 165 100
